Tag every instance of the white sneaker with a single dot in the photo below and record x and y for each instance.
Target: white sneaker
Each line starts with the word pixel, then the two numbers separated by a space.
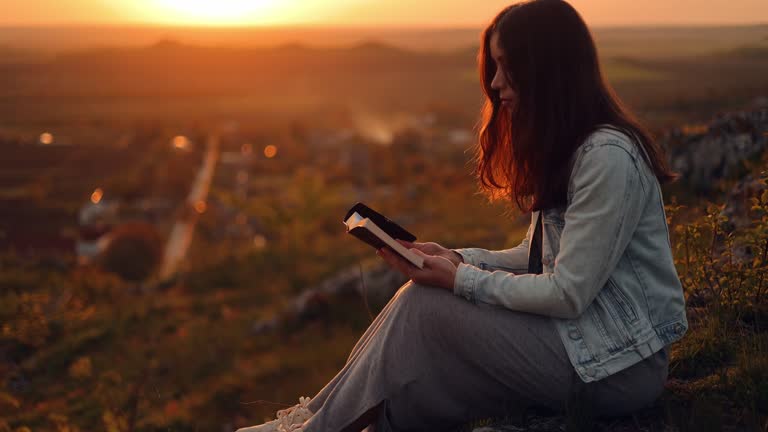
pixel 288 420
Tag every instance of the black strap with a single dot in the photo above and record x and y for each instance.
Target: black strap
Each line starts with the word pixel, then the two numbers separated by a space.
pixel 534 258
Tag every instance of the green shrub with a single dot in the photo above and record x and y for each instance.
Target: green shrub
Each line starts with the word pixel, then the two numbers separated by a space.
pixel 713 269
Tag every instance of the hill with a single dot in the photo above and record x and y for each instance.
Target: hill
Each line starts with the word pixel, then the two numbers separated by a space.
pixel 244 332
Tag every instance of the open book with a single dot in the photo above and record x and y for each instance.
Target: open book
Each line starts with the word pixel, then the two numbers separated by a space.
pixel 378 231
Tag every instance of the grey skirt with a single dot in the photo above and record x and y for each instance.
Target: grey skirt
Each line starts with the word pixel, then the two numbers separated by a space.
pixel 432 361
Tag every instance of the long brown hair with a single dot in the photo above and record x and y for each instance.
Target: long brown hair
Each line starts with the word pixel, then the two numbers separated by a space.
pixel 524 154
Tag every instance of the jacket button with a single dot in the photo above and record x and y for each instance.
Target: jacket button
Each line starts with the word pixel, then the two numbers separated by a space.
pixel 678 328
pixel 574 334
pixel 591 372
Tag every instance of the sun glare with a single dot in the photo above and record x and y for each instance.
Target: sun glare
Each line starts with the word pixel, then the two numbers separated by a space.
pixel 220 12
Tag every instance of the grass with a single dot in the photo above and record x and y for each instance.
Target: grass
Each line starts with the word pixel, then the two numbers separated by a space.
pixel 170 355
pixel 187 348
pixel 618 71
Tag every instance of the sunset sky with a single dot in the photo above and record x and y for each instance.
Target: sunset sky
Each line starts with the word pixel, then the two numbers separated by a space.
pixel 429 13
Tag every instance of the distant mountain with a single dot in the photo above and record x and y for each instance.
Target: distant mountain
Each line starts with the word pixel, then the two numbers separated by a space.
pixel 755 51
pixel 10 55
pixel 283 59
pixel 176 74
pixel 653 41
pixel 59 39
pixel 167 44
pixel 376 47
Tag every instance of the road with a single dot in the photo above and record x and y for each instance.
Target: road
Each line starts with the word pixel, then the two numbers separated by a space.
pixel 183 229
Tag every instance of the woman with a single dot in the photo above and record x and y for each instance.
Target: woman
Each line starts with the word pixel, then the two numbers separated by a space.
pixel 582 310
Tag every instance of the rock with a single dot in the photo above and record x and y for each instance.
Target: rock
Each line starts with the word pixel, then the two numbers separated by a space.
pixel 265 325
pixel 537 424
pixel 372 280
pixel 738 202
pixel 716 152
pixel 644 421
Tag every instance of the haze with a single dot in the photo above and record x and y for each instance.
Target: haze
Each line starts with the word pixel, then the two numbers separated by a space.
pixel 420 13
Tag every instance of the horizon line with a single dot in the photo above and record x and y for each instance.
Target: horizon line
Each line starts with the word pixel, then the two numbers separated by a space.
pixel 346 26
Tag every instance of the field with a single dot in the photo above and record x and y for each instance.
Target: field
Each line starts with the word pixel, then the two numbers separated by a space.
pixel 306 123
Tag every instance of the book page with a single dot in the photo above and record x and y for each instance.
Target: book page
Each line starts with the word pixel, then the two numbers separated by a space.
pixel 353 220
pixel 400 249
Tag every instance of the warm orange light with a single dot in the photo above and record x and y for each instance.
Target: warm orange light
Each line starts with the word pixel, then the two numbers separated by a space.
pixel 259 242
pixel 46 138
pixel 270 151
pixel 216 12
pixel 695 129
pixel 201 206
pixel 96 195
pixel 242 177
pixel 180 142
pixel 246 149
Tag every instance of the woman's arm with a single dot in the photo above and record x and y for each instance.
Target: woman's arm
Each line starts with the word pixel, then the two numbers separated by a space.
pixel 512 260
pixel 608 199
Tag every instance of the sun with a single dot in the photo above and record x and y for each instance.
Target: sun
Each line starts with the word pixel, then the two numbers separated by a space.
pixel 218 12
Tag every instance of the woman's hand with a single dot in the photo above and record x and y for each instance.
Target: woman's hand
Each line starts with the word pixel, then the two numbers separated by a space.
pixel 438 271
pixel 435 249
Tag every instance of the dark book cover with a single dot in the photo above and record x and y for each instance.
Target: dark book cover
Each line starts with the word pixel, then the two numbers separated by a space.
pixel 388 226
pixel 378 231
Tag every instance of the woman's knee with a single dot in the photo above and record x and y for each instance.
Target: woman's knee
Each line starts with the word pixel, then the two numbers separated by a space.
pixel 424 296
pixel 411 293
pixel 430 309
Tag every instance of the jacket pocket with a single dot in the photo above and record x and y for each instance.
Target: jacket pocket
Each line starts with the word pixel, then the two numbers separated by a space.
pixel 602 325
pixel 610 322
pixel 620 301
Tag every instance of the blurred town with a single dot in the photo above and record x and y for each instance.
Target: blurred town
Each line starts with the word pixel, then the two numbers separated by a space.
pixel 157 184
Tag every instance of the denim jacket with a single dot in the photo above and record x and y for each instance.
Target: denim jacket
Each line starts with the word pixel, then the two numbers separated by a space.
pixel 609 281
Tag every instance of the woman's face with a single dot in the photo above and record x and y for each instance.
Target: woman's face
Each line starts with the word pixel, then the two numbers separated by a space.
pixel 500 82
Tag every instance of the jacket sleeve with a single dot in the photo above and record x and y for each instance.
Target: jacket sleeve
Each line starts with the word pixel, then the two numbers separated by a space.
pixel 607 201
pixel 514 259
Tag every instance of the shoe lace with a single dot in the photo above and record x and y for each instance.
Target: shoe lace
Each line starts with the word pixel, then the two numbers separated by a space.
pixel 291 419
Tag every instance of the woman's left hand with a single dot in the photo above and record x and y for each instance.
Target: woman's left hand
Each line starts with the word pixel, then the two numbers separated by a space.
pixel 438 271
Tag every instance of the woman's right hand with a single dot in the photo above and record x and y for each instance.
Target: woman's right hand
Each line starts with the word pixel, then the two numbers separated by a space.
pixel 431 248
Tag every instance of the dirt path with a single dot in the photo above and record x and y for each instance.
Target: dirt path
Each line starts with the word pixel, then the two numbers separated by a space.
pixel 181 234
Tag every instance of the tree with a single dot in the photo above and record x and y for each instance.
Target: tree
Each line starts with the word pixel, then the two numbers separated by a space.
pixel 134 251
